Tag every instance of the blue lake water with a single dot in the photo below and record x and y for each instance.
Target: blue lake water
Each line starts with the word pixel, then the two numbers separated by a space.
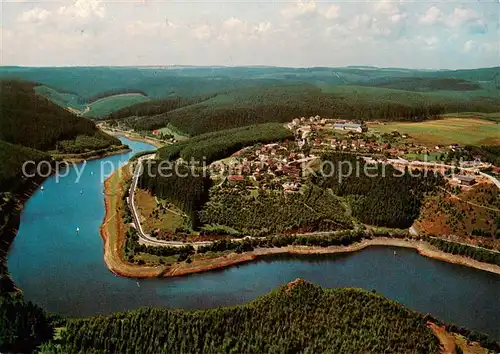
pixel 64 271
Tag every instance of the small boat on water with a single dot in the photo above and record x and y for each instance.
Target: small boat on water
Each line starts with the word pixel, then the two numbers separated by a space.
pixel 395 253
pixel 138 285
pixel 77 230
pixel 41 188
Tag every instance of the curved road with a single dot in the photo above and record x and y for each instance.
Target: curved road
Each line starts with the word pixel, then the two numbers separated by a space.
pixel 144 237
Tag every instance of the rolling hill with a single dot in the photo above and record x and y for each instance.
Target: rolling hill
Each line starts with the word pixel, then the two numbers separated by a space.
pixel 281 103
pixel 33 128
pixel 296 318
pixel 77 87
pixel 33 121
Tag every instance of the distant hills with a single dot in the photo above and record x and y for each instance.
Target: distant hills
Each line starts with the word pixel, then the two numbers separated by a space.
pixel 196 100
pixel 281 103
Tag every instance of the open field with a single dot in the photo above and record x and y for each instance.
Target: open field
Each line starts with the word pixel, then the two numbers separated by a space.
pixel 493 117
pixel 107 105
pixel 448 131
pixel 154 216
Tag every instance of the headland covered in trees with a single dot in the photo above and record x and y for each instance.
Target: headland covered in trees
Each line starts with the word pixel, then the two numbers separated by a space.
pixel 298 317
pixel 32 128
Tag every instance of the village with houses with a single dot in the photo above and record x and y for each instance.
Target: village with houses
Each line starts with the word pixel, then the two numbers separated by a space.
pixel 285 165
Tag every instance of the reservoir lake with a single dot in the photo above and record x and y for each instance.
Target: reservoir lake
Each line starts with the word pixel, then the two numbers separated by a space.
pixel 64 271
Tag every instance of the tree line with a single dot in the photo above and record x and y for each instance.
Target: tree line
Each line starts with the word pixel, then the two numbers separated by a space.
pixel 476 253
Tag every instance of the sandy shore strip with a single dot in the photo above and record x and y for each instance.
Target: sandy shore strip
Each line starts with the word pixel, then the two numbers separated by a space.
pixel 112 231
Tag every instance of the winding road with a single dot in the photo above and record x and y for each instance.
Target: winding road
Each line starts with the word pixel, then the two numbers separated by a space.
pixel 147 239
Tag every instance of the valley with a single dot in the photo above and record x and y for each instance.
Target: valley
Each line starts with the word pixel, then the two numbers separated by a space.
pixel 341 176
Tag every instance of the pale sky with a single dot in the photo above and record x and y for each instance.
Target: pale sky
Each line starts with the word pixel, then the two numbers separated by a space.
pixel 411 34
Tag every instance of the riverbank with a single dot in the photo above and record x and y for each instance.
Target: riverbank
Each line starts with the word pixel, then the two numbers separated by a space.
pixel 422 247
pixel 9 232
pixel 135 137
pixel 113 233
pixel 92 155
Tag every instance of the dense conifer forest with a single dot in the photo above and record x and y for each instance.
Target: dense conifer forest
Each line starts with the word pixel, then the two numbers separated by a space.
pixel 382 196
pixel 276 212
pixel 298 318
pixel 282 103
pixel 23 325
pixel 33 121
pixel 218 145
pixel 155 107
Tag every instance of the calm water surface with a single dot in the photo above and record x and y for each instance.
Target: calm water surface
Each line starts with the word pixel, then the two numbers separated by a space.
pixel 64 272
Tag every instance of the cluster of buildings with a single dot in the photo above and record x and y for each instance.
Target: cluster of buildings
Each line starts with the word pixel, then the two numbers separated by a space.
pixel 271 166
pixel 304 126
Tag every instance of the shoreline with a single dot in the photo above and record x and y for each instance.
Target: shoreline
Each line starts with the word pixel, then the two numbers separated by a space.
pixel 113 244
pixel 423 248
pixel 79 159
pixel 114 259
pixel 24 195
pixel 135 137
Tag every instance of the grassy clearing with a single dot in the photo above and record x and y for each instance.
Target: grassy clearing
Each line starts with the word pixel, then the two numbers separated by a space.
pixel 448 131
pixel 493 117
pixel 169 129
pixel 167 220
pixel 107 105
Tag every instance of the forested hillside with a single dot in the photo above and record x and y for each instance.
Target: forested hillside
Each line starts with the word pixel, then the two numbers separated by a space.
pixel 220 144
pixel 273 212
pixel 296 318
pixel 23 325
pixel 283 103
pixel 429 84
pixel 33 121
pixel 75 87
pixel 155 107
pixel 382 195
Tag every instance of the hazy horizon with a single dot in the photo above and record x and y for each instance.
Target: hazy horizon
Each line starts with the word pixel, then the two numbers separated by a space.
pixel 388 34
pixel 160 66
